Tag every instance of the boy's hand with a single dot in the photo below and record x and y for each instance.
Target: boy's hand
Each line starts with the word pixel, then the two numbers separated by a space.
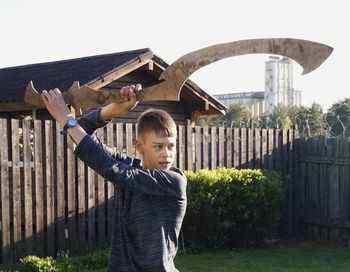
pixel 128 93
pixel 55 104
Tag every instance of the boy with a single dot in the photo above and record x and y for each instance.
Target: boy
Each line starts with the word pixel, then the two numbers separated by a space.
pixel 151 198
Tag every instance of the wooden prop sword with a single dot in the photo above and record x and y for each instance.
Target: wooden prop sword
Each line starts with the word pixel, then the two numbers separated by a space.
pixel 308 54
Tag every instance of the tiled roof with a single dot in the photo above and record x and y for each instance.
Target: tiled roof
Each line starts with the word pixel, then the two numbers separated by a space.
pixel 61 74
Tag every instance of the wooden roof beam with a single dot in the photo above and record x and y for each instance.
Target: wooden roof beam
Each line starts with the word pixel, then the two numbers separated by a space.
pixel 110 77
pixel 147 67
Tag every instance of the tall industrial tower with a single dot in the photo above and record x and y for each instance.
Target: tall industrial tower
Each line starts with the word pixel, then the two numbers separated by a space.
pixel 279 84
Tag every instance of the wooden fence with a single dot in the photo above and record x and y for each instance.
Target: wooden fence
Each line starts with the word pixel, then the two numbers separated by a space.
pixel 323 189
pixel 50 201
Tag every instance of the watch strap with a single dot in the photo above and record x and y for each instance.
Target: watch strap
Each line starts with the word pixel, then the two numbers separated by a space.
pixel 67 126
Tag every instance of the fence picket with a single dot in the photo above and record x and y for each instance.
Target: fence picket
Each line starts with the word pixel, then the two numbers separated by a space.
pixel 213 153
pixel 39 188
pixel 264 151
pixel 129 140
pixel 284 151
pixel 257 148
pixel 16 189
pixel 277 155
pixel 109 186
pixel 189 147
pixel 50 189
pixel 81 206
pixel 28 194
pixel 323 192
pixel 228 147
pixel 334 209
pixel 205 154
pixel 71 233
pixel 221 143
pixel 101 202
pixel 250 148
pixel 60 188
pixel 197 146
pixel 344 200
pixel 290 186
pixel 236 148
pixel 5 195
pixel 181 147
pixel 243 163
pixel 270 148
pixel 91 188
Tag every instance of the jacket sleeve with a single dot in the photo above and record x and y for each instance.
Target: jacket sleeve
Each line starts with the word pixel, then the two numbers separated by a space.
pixel 89 121
pixel 148 181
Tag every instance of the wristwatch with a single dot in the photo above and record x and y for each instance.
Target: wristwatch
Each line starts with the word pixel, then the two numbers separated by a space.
pixel 70 123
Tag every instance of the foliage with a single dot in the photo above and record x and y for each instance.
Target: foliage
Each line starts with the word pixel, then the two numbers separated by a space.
pixel 64 263
pixel 93 260
pixel 229 208
pixel 235 114
pixel 281 117
pixel 339 116
pixel 37 264
pixel 311 119
pixel 341 107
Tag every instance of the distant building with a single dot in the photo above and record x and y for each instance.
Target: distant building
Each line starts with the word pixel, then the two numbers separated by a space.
pixel 279 84
pixel 253 100
pixel 278 89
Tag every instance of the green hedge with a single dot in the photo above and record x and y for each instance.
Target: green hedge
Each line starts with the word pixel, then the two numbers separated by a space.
pixel 64 263
pixel 229 208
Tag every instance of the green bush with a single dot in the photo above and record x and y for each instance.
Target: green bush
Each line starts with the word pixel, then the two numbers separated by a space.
pixel 92 261
pixel 37 264
pixel 64 263
pixel 229 208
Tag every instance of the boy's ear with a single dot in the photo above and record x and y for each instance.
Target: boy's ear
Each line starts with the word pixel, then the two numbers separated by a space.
pixel 138 145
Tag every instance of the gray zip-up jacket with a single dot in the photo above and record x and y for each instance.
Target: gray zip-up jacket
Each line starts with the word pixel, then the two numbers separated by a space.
pixel 149 208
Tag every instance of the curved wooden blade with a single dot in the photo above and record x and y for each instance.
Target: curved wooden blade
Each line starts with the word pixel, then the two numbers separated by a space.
pixel 76 96
pixel 31 96
pixel 308 54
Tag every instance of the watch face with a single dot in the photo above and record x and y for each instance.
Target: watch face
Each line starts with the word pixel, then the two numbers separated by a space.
pixel 71 122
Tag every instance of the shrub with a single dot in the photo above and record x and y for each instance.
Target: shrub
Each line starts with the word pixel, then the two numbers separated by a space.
pixel 229 208
pixel 93 260
pixel 64 263
pixel 37 264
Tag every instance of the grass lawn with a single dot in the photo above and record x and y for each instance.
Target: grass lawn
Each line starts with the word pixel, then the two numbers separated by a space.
pixel 287 257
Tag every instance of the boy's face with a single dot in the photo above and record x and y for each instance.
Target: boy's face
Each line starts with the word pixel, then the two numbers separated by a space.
pixel 158 151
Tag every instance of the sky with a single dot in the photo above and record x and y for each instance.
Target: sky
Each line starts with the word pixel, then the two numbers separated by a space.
pixel 45 30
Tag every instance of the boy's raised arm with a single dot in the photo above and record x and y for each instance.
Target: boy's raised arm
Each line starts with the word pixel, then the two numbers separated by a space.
pixel 129 94
pixel 98 118
pixel 55 104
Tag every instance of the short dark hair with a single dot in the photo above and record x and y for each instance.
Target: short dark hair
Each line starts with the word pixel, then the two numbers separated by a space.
pixel 158 121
